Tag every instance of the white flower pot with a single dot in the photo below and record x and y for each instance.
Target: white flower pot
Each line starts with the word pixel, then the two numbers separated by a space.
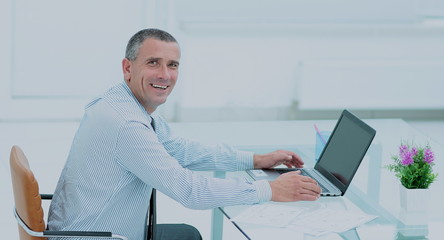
pixel 414 200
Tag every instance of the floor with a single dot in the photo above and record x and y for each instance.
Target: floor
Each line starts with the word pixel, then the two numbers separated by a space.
pixel 43 142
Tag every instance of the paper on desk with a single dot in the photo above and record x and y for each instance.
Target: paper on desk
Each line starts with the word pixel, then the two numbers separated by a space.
pixel 274 233
pixel 324 220
pixel 384 232
pixel 269 214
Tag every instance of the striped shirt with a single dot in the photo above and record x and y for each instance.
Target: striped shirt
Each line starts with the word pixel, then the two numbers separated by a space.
pixel 116 158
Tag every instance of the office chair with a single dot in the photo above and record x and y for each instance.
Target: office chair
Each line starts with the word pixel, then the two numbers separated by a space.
pixel 28 204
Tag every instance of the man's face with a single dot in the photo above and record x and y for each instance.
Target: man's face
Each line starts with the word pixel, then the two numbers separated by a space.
pixel 153 74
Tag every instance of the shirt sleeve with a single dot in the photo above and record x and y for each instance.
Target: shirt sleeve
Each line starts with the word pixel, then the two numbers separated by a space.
pixel 202 157
pixel 264 192
pixel 139 151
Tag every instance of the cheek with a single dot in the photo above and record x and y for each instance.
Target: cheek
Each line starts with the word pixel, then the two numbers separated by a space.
pixel 174 77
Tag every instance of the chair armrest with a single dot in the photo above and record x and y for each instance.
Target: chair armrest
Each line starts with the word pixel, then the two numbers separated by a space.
pixel 81 234
pixel 46 196
pixel 48 233
pixel 66 234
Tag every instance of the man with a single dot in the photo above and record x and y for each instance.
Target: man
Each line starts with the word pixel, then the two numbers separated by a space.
pixel 123 149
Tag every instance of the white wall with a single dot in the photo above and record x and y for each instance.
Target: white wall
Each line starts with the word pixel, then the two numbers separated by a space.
pixel 57 55
pixel 321 55
pixel 245 59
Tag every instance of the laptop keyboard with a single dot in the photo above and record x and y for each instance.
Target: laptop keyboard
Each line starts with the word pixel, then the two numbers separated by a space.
pixel 303 173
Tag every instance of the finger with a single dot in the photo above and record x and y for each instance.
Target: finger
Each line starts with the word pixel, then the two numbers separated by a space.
pixel 294 155
pixel 296 159
pixel 303 178
pixel 309 182
pixel 288 161
pixel 309 192
pixel 289 164
pixel 314 188
pixel 308 197
pixel 297 172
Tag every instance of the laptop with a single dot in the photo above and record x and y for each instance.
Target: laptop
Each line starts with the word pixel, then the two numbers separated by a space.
pixel 339 160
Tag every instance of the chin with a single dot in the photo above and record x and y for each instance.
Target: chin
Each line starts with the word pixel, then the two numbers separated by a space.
pixel 160 102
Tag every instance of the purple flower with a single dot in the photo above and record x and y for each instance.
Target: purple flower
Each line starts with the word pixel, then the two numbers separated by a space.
pixel 406 155
pixel 414 151
pixel 403 149
pixel 407 158
pixel 428 155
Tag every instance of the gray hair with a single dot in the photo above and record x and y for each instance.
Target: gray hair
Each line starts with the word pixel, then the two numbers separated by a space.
pixel 132 49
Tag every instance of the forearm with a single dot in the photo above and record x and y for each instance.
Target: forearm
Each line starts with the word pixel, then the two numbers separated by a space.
pixel 210 193
pixel 200 157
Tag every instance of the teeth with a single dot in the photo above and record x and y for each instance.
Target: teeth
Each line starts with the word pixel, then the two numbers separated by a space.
pixel 159 86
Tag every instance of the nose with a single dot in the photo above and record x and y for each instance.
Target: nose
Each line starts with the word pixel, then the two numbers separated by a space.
pixel 163 72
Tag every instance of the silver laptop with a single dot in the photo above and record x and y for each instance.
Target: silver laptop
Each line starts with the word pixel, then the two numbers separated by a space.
pixel 339 160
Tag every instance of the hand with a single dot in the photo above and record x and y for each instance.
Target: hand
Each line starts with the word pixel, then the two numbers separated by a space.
pixel 276 158
pixel 292 186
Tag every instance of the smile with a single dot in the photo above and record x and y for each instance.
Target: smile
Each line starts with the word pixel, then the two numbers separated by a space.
pixel 159 86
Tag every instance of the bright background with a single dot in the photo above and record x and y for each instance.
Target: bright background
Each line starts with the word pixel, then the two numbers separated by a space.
pixel 241 61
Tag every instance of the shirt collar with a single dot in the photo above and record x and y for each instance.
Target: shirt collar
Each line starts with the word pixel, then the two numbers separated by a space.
pixel 130 93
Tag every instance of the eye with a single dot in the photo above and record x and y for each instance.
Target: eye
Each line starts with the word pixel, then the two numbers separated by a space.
pixel 152 62
pixel 173 65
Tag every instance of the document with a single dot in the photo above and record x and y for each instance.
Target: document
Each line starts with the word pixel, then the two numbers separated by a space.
pixel 385 232
pixel 324 220
pixel 318 222
pixel 274 233
pixel 269 215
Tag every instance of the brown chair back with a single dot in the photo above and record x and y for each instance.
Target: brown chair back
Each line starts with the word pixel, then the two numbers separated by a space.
pixel 28 202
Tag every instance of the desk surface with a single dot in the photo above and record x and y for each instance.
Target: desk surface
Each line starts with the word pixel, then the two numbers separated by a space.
pixel 374 189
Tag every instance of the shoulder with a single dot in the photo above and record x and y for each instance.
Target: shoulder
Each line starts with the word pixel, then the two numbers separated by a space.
pixel 119 102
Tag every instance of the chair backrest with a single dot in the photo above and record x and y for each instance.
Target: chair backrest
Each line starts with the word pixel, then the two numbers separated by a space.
pixel 28 203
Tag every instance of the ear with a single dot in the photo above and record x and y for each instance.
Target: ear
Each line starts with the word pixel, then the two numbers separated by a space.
pixel 126 68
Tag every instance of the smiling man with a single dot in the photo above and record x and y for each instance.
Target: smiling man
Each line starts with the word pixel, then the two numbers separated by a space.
pixel 123 149
pixel 152 73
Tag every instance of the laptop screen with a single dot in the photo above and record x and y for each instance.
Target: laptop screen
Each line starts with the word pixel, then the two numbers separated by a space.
pixel 345 150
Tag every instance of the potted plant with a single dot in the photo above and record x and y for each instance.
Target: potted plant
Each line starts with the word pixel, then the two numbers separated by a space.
pixel 414 168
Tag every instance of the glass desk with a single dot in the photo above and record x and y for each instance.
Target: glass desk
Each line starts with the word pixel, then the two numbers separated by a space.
pixel 374 190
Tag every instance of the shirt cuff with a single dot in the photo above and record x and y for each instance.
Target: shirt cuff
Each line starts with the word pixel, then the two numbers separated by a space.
pixel 245 160
pixel 263 190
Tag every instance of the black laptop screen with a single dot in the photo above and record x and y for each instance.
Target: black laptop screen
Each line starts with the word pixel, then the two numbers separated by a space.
pixel 345 150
